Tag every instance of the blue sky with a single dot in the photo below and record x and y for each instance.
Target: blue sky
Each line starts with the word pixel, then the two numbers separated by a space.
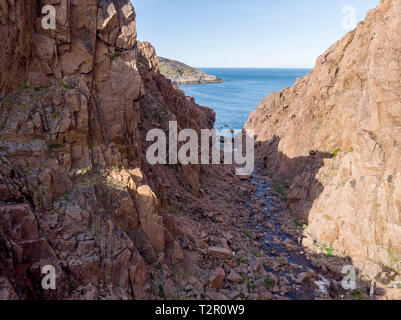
pixel 238 33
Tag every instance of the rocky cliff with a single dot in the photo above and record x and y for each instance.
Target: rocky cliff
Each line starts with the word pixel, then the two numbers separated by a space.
pixel 334 139
pixel 75 190
pixel 181 73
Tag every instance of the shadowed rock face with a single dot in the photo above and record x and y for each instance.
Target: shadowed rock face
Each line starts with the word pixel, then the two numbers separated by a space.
pixel 181 73
pixel 75 190
pixel 349 106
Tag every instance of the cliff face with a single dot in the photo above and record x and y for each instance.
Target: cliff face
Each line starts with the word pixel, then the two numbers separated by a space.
pixel 335 139
pixel 75 190
pixel 181 73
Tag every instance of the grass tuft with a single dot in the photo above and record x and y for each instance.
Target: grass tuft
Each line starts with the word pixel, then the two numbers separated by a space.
pixel 336 152
pixel 269 282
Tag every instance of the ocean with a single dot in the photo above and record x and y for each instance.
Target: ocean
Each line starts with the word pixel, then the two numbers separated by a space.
pixel 235 98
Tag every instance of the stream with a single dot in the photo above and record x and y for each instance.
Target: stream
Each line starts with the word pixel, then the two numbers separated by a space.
pixel 273 245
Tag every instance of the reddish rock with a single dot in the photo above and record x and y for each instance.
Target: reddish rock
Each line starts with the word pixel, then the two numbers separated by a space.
pixel 234 277
pixel 348 110
pixel 73 151
pixel 217 279
pixel 220 253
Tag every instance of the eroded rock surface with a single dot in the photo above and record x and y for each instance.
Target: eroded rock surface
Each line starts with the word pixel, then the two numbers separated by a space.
pixel 334 140
pixel 75 190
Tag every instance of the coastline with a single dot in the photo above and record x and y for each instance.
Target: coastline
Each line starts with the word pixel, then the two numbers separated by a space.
pixel 189 82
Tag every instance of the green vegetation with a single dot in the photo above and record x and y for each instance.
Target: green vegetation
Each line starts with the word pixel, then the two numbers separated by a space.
pixel 269 283
pixel 2 127
pixel 72 285
pixel 177 210
pixel 6 101
pixel 160 115
pixel 251 285
pixel 282 190
pixel 300 224
pixel 66 195
pixel 162 295
pixel 55 146
pixel 117 53
pixel 243 261
pixel 64 85
pixel 336 152
pixel 357 295
pixel 54 114
pixel 172 211
pixel 330 252
pixel 249 282
pixel 247 234
pixel 40 199
pixel 392 255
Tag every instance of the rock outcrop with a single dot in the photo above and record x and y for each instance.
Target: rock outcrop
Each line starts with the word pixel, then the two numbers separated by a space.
pixel 180 73
pixel 75 190
pixel 334 139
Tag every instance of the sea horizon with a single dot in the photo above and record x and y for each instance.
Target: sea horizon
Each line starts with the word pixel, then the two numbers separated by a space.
pixel 240 92
pixel 257 68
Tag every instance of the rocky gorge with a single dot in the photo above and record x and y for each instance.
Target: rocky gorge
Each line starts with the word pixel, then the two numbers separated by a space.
pixel 77 193
pixel 332 141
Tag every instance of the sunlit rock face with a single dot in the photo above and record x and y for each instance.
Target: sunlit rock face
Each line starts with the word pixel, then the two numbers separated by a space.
pixel 334 138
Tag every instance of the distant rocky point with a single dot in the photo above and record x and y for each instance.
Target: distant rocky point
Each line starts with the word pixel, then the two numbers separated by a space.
pixel 180 73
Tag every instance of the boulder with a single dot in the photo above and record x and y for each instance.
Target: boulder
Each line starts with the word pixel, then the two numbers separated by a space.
pixel 220 253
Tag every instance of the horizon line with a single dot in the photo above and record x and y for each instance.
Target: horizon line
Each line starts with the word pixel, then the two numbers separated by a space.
pixel 268 67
